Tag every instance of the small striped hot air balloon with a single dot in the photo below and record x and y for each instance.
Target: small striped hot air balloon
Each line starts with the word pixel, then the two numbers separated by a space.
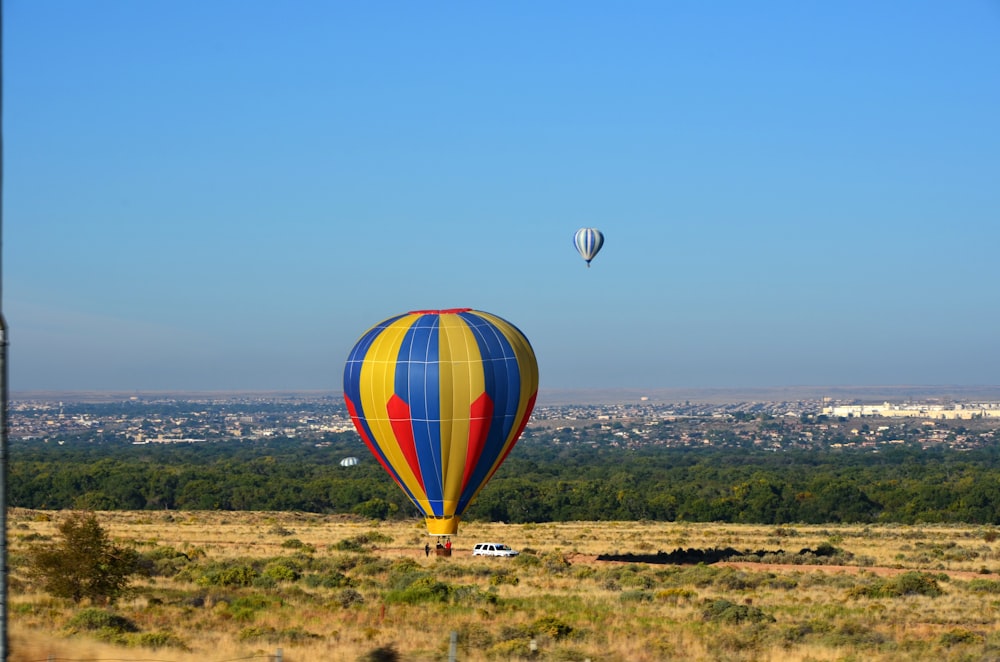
pixel 349 462
pixel 440 397
pixel 588 242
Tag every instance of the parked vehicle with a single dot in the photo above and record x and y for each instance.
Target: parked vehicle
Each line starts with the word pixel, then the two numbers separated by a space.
pixel 492 549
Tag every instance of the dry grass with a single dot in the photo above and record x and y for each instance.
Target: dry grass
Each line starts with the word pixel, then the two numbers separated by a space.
pixel 557 593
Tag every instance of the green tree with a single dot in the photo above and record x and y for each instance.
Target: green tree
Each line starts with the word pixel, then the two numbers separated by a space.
pixel 83 563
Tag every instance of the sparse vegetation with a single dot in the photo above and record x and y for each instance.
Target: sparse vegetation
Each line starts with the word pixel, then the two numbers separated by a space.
pixel 218 586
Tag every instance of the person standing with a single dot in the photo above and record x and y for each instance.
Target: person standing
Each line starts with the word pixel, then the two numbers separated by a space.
pixel 427 549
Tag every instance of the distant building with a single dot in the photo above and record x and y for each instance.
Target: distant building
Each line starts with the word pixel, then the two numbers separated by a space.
pixel 909 410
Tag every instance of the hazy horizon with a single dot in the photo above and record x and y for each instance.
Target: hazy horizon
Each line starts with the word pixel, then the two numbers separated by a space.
pixel 585 396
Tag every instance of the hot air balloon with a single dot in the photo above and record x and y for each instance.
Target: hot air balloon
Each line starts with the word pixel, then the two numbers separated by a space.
pixel 440 397
pixel 349 462
pixel 588 242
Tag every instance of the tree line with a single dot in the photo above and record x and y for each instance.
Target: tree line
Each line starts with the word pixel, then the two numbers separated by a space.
pixel 541 481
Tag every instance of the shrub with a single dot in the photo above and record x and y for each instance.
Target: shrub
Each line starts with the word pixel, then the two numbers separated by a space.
pixel 362 542
pixel 984 586
pixel 510 649
pixel 852 633
pixel 387 653
pixel 502 578
pixel 163 562
pixel 241 574
pixel 83 563
pixel 295 543
pixel 283 570
pixel 636 596
pixel 724 611
pixel 98 619
pixel 474 637
pixel 272 635
pixel 551 627
pixel 349 597
pixel 156 640
pixel 959 636
pixel 908 583
pixel 254 603
pixel 332 579
pixel 675 595
pixel 423 589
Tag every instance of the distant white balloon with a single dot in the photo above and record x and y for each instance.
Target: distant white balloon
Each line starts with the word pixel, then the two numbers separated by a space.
pixel 348 461
pixel 588 242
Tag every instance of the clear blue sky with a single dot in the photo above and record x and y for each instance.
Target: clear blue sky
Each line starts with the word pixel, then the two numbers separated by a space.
pixel 227 194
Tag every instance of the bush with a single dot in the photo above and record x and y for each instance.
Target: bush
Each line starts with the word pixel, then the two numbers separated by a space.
pixel 332 579
pixel 424 589
pixel 984 586
pixel 959 636
pixel 724 611
pixel 236 575
pixel 98 619
pixel 83 563
pixel 156 640
pixel 295 543
pixel 551 627
pixel 283 570
pixel 908 583
pixel 504 578
pixel 385 653
pixel 349 597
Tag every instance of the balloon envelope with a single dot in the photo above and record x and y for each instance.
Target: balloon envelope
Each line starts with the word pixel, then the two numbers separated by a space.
pixel 440 397
pixel 588 242
pixel 348 461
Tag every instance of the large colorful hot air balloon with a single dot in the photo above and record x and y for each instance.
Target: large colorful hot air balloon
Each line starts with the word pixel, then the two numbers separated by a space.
pixel 588 242
pixel 440 397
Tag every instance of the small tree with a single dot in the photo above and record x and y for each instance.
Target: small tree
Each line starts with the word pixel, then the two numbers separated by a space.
pixel 83 563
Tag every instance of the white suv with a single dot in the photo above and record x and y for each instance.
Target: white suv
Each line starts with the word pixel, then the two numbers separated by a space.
pixel 492 549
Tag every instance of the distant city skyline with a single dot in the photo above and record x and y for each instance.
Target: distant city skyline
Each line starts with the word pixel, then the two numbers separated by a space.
pixel 227 195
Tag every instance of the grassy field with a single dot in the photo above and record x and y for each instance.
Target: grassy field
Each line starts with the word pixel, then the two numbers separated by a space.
pixel 239 586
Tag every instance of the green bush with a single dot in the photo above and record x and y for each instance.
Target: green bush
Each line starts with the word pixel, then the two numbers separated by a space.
pixel 332 579
pixel 676 595
pixel 724 611
pixel 551 627
pixel 423 589
pixel 283 570
pixel 83 563
pixel 349 597
pixel 510 649
pixel 907 583
pixel 240 574
pixel 156 640
pixel 98 619
pixel 960 636
pixel 636 596
pixel 984 586
pixel 504 578
pixel 362 542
